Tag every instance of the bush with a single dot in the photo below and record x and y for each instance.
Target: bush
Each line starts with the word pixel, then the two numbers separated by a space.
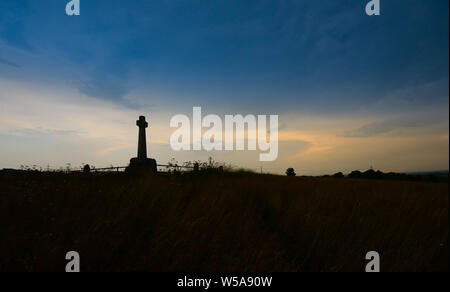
pixel 290 172
pixel 338 175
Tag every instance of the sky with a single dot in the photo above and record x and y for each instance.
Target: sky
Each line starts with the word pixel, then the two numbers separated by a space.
pixel 351 91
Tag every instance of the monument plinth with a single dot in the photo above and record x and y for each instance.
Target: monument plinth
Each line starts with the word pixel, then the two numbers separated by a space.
pixel 141 162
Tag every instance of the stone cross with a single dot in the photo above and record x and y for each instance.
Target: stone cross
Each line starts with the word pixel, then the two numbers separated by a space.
pixel 142 146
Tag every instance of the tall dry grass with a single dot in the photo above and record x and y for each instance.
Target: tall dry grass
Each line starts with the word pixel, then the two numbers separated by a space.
pixel 221 222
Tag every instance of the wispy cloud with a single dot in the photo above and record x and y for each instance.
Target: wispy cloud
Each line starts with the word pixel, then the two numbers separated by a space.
pixel 410 122
pixel 8 63
pixel 41 131
pixel 110 149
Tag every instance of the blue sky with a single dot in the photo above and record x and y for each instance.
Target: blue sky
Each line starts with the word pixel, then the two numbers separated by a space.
pixel 325 61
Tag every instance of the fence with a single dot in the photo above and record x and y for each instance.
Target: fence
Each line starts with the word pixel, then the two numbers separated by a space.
pixel 68 169
pixel 161 168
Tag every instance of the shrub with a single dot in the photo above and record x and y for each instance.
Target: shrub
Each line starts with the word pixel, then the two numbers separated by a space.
pixel 290 172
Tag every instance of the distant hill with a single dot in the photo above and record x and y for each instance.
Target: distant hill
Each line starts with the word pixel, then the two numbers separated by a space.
pixel 440 176
pixel 10 171
pixel 437 173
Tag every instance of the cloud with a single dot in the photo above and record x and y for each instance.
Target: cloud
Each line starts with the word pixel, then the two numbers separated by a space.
pixel 295 144
pixel 114 148
pixel 105 87
pixel 378 128
pixel 417 121
pixel 41 131
pixel 29 109
pixel 425 94
pixel 8 63
pixel 319 149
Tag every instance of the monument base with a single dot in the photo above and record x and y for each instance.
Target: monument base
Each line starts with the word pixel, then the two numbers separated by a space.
pixel 148 164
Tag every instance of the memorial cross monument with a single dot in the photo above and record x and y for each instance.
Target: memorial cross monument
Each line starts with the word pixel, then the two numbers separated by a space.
pixel 141 162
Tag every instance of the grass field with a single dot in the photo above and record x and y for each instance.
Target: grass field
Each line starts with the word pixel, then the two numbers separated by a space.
pixel 221 222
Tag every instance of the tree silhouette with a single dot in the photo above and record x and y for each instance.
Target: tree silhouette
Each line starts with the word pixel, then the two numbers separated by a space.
pixel 290 172
pixel 338 175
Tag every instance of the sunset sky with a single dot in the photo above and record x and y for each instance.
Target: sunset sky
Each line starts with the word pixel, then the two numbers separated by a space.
pixel 351 91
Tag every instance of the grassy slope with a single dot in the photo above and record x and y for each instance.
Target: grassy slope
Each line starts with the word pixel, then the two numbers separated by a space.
pixel 221 223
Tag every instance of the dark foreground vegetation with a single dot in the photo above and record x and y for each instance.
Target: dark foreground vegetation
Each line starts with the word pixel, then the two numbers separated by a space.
pixel 220 222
